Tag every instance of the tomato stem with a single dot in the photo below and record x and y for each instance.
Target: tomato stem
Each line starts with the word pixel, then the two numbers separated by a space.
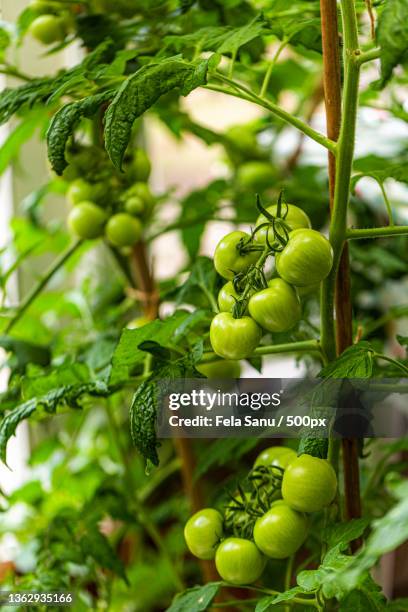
pixel 303 346
pixel 42 283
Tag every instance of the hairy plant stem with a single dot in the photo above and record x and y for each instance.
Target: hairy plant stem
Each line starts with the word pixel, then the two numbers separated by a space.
pixel 336 288
pixel 303 346
pixel 376 232
pixel 241 91
pixel 42 283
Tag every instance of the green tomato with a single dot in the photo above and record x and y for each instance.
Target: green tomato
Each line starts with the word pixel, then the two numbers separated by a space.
pixel 295 217
pixel 306 259
pixel 309 484
pixel 141 190
pixel 277 308
pixel 41 6
pixel 79 191
pixel 220 369
pixel 308 290
pixel 234 338
pixel 279 456
pixel 135 206
pixel 140 166
pixel 138 322
pixel 280 532
pixel 227 297
pixel 227 259
pixel 203 532
pixel 256 175
pixel 47 29
pixel 243 140
pixel 87 220
pixel 123 230
pixel 239 561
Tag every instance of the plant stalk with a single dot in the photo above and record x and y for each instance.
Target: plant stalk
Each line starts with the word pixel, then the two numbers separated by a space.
pixel 42 283
pixel 335 296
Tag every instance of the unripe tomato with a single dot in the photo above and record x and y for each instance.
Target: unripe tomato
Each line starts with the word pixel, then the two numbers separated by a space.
pixel 239 561
pixel 280 532
pixel 306 259
pixel 123 230
pixel 309 484
pixel 87 220
pixel 140 166
pixel 142 191
pixel 279 456
pixel 227 297
pixel 256 175
pixel 228 260
pixel 243 140
pixel 79 191
pixel 296 218
pixel 47 29
pixel 202 532
pixel 220 369
pixel 41 6
pixel 138 322
pixel 308 290
pixel 276 308
pixel 234 338
pixel 135 206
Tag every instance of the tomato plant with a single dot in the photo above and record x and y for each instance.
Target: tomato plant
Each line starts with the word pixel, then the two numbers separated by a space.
pixel 196 190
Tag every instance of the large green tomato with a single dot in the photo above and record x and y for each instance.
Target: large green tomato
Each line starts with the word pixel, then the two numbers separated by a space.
pixel 87 220
pixel 295 217
pixel 227 259
pixel 203 532
pixel 309 484
pixel 79 191
pixel 280 532
pixel 279 456
pixel 47 29
pixel 123 230
pixel 225 368
pixel 234 338
pixel 256 175
pixel 306 259
pixel 276 308
pixel 239 561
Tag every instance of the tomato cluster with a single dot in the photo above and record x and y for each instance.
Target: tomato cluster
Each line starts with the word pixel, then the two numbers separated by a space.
pixel 249 303
pixel 268 519
pixel 106 203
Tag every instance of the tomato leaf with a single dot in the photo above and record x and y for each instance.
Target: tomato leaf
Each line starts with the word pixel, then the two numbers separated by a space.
pixel 202 280
pixel 340 534
pixel 63 123
pixel 143 409
pixel 392 36
pixel 367 597
pixel 95 544
pixel 128 356
pixel 65 395
pixel 355 362
pixel 264 604
pixel 140 91
pixel 197 599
